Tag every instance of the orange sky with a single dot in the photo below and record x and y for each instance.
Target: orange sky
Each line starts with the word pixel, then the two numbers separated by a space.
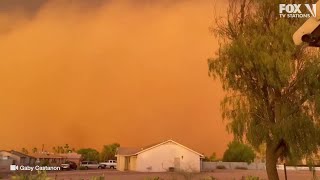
pixel 132 73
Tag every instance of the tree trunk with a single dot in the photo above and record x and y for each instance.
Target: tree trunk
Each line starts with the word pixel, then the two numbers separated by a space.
pixel 271 163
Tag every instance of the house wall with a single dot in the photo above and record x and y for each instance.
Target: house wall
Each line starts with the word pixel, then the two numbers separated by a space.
pixel 160 158
pixel 120 162
pixel 17 159
pixel 133 162
pixel 5 164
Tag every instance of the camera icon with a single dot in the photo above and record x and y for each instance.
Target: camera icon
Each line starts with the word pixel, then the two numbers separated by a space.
pixel 13 167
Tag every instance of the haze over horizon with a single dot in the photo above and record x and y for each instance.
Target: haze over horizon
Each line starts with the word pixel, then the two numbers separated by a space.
pixel 90 73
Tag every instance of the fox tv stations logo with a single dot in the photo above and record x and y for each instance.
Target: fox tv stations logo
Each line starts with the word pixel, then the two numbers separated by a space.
pixel 296 10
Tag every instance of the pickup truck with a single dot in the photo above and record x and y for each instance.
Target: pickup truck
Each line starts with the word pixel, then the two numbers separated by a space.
pixel 112 164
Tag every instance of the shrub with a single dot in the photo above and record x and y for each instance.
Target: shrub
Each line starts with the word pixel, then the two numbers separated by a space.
pixel 241 167
pixel 97 178
pixel 209 178
pixel 238 152
pixel 171 169
pixel 252 178
pixel 153 178
pixel 221 167
pixel 45 163
pixel 41 175
pixel 82 168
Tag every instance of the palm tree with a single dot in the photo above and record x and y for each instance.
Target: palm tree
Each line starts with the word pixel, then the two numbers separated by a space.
pixel 54 149
pixel 24 150
pixel 66 147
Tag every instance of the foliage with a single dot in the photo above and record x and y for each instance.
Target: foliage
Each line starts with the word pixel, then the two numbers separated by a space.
pixel 109 151
pixel 252 178
pixel 82 168
pixel 212 158
pixel 89 154
pixel 209 178
pixel 261 152
pixel 153 178
pixel 24 150
pixel 272 86
pixel 34 150
pixel 238 152
pixel 45 163
pixel 221 167
pixel 241 167
pixel 63 149
pixel 97 178
pixel 41 175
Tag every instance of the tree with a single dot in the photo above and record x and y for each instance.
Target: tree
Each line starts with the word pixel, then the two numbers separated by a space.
pixel 238 152
pixel 272 86
pixel 212 158
pixel 262 152
pixel 60 149
pixel 109 151
pixel 66 148
pixel 54 149
pixel 89 154
pixel 25 151
pixel 34 150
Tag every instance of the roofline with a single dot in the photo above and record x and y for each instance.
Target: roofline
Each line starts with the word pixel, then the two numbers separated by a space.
pixel 12 152
pixel 126 155
pixel 164 142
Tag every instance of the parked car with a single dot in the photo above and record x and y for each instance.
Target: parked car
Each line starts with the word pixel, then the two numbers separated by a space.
pixel 91 165
pixel 112 164
pixel 69 165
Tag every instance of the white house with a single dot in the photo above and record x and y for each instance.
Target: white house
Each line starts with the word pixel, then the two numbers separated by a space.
pixel 165 156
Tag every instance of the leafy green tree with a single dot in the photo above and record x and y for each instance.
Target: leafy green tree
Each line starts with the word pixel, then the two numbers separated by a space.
pixel 238 152
pixel 272 86
pixel 89 154
pixel 109 151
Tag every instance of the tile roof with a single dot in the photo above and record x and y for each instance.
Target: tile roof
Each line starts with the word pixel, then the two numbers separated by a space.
pixel 127 150
pixel 135 151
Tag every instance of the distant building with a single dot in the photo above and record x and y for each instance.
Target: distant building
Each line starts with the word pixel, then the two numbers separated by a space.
pixel 45 158
pixel 74 157
pixel 18 158
pixel 165 156
pixel 8 158
pixel 56 159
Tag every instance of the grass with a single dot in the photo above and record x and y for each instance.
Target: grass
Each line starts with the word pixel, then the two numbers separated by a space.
pixel 41 175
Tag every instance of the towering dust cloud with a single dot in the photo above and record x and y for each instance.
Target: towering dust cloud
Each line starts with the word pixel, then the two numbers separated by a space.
pixel 90 73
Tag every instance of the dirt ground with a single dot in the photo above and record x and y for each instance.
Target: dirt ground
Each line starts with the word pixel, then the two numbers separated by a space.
pixel 218 174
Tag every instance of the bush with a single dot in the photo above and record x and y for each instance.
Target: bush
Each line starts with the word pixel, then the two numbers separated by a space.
pixel 45 163
pixel 221 167
pixel 153 178
pixel 252 178
pixel 238 152
pixel 171 169
pixel 97 178
pixel 41 175
pixel 209 178
pixel 82 168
